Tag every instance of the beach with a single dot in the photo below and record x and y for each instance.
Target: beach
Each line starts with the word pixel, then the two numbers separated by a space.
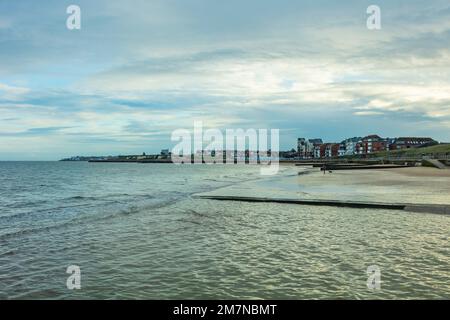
pixel 415 185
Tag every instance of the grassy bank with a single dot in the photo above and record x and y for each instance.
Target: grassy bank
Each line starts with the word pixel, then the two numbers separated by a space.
pixel 440 149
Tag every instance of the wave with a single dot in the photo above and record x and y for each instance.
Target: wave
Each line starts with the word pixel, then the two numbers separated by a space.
pixel 88 218
pixel 112 205
pixel 107 200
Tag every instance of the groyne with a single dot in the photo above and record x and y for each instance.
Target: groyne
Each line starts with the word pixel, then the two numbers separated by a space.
pixel 429 208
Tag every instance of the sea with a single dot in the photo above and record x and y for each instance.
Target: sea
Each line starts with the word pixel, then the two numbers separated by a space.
pixel 139 231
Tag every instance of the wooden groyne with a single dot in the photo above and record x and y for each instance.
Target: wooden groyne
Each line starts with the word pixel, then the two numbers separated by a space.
pixel 363 167
pixel 428 208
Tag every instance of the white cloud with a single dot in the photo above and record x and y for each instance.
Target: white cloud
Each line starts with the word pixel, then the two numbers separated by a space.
pixel 367 113
pixel 8 92
pixel 139 71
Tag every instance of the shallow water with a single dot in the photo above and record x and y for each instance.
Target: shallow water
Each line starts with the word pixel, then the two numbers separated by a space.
pixel 137 232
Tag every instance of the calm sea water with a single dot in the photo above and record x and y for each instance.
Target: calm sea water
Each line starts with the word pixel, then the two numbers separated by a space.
pixel 136 232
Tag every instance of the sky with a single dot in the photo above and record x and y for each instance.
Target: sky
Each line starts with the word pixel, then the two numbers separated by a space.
pixel 139 69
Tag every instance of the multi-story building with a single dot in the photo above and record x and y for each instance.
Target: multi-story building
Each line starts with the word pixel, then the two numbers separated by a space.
pixel 326 150
pixel 373 143
pixel 348 146
pixel 317 151
pixel 412 142
pixel 331 150
pixel 315 148
pixel 305 147
pixel 301 147
pixel 390 143
pixel 341 151
pixel 314 143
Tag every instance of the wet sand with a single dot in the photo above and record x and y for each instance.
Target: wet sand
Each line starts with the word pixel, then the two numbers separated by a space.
pixel 422 172
pixel 415 185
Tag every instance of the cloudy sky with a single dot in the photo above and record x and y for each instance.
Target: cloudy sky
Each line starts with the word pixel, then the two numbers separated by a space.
pixel 137 70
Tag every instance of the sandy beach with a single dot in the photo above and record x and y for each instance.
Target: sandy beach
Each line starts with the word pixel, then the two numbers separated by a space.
pixel 421 172
pixel 415 185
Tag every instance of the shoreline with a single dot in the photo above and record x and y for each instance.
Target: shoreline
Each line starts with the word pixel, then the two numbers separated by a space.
pixel 414 189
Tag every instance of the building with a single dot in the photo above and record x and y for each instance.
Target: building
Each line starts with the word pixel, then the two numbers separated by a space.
pixel 315 142
pixel 285 155
pixel 348 146
pixel 373 143
pixel 331 150
pixel 317 153
pixel 390 143
pixel 341 151
pixel 326 150
pixel 301 147
pixel 412 142
pixel 315 148
pixel 165 154
pixel 305 147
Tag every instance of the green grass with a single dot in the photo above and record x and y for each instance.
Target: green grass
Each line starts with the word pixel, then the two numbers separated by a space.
pixel 440 149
